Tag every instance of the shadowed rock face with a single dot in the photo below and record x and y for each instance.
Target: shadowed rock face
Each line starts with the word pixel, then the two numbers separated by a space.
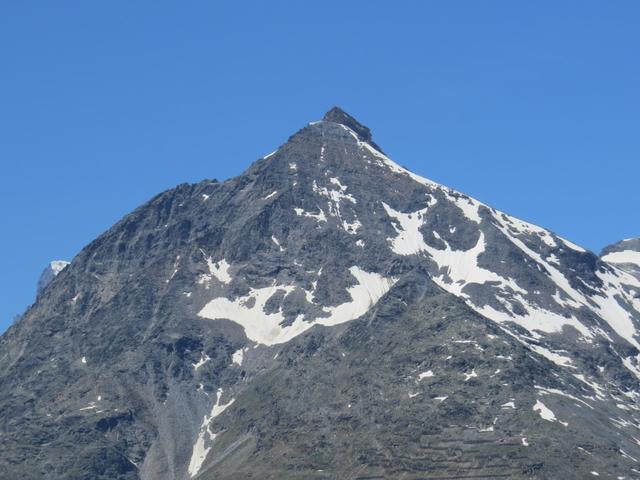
pixel 327 314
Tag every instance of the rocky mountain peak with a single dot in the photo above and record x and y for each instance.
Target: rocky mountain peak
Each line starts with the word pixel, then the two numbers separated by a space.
pixel 337 115
pixel 325 293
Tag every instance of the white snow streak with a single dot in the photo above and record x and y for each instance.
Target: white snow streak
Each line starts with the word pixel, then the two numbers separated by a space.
pixel 204 442
pixel 270 195
pixel 319 217
pixel 275 240
pixel 626 256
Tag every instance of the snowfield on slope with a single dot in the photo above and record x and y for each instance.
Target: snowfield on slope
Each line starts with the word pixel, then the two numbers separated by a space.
pixel 267 329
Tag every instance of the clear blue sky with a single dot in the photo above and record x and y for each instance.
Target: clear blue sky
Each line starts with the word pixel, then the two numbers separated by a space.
pixel 532 107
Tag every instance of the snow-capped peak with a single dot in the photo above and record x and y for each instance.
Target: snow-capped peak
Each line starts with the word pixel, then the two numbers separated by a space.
pixel 624 255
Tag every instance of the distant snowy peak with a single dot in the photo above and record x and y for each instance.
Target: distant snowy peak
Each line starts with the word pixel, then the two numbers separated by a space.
pixel 49 273
pixel 624 255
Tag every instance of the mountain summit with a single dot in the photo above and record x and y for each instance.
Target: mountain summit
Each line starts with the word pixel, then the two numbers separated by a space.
pixel 326 314
pixel 337 115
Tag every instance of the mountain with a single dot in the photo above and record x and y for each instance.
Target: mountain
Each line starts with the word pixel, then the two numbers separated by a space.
pixel 625 255
pixel 325 315
pixel 49 273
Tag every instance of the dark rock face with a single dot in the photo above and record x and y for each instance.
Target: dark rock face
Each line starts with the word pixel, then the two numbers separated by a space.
pixel 327 314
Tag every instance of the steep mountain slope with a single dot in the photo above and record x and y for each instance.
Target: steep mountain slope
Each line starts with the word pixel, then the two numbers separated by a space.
pixel 327 314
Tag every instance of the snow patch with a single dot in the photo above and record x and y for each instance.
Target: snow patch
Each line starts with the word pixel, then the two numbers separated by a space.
pixel 270 195
pixel 573 246
pixel 335 198
pixel 238 356
pixel 204 442
pixel 469 376
pixel 319 217
pixel 267 328
pixel 555 357
pixel 555 391
pixel 218 270
pixel 409 240
pixel 545 413
pixel 275 240
pixel 626 256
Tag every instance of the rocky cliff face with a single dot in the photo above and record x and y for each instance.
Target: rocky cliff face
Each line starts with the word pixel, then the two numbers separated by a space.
pixel 327 314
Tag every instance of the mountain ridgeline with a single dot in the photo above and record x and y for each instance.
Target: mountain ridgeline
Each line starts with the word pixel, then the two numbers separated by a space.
pixel 326 315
